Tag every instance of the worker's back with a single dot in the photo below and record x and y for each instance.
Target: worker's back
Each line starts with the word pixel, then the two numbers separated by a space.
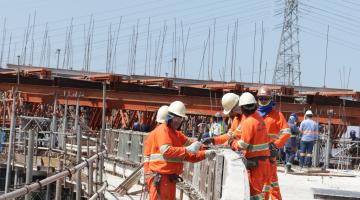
pixel 309 129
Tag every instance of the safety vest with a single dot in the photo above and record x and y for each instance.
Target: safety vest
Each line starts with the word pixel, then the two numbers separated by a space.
pixel 277 128
pixel 217 128
pixel 254 139
pixel 309 130
pixel 234 126
pixel 167 151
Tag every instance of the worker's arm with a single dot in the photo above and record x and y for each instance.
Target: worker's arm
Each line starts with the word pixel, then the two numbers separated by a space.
pixel 284 133
pixel 167 149
pixel 195 157
pixel 187 141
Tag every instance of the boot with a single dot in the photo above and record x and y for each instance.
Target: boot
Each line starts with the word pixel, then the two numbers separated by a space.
pixel 288 168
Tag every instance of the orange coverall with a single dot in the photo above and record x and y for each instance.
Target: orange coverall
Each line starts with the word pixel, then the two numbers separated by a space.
pixel 234 126
pixel 165 152
pixel 253 141
pixel 279 132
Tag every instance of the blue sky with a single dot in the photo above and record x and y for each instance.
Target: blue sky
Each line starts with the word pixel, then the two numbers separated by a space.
pixel 196 17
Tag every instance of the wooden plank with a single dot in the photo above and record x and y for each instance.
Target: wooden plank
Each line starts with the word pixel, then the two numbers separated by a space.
pixel 218 170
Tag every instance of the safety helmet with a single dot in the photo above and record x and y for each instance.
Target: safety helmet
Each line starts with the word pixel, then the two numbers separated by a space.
pixel 229 101
pixel 264 91
pixel 177 108
pixel 294 114
pixel 246 98
pixel 217 114
pixel 292 119
pixel 161 114
pixel 308 112
pixel 352 133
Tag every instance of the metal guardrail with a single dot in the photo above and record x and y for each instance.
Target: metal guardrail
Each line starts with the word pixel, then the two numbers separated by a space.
pixel 202 180
pixel 37 185
pixel 126 144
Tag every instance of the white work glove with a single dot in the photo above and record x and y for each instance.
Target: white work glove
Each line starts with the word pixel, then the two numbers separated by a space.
pixel 194 147
pixel 210 154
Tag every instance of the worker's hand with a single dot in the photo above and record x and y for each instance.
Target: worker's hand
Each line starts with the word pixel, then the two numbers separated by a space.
pixel 210 154
pixel 234 145
pixel 208 140
pixel 272 146
pixel 194 147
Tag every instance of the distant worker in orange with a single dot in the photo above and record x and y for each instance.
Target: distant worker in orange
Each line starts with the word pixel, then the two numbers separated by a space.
pixel 230 103
pixel 161 117
pixel 278 132
pixel 169 147
pixel 253 143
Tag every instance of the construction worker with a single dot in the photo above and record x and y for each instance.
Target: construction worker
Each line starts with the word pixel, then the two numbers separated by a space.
pixel 354 149
pixel 218 127
pixel 169 147
pixel 230 103
pixel 253 142
pixel 278 132
pixel 161 117
pixel 290 145
pixel 310 134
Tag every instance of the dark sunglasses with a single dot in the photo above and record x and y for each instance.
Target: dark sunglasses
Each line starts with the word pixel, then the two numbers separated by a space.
pixel 264 98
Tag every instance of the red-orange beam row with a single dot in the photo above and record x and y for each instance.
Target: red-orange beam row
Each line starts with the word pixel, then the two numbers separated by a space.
pixel 151 102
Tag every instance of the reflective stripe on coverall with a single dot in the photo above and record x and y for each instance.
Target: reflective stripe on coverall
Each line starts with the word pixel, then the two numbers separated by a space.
pixel 279 132
pixel 166 154
pixel 253 141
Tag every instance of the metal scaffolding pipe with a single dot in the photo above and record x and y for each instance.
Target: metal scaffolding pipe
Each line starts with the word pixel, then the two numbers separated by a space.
pixel 51 145
pixel 58 183
pixel 34 186
pixel 11 141
pixel 102 133
pixel 78 154
pixel 99 193
pixel 29 163
pixel 90 179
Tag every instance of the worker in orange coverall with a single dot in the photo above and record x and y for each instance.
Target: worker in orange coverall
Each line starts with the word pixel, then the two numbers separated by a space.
pixel 230 103
pixel 161 117
pixel 278 131
pixel 167 148
pixel 253 143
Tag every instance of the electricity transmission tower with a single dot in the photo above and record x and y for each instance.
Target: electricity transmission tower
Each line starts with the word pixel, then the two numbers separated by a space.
pixel 287 68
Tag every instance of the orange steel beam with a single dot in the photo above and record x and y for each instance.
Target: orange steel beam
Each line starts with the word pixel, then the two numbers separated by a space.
pixel 151 102
pixel 162 81
pixel 226 86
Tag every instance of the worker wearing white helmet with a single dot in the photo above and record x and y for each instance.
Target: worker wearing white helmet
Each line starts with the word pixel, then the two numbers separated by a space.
pixel 162 114
pixel 252 141
pixel 230 103
pixel 218 126
pixel 309 130
pixel 169 148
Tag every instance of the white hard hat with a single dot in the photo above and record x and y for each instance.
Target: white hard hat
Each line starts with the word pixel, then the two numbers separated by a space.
pixel 217 114
pixel 177 108
pixel 246 98
pixel 308 112
pixel 229 101
pixel 161 114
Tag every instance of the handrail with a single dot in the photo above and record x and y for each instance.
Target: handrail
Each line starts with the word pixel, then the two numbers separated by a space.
pixel 36 185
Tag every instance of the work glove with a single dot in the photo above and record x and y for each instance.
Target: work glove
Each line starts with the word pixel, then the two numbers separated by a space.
pixel 194 147
pixel 208 140
pixel 210 154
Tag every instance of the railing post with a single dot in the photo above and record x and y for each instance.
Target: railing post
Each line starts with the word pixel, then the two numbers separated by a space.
pixel 11 142
pixel 90 178
pixel 78 154
pixel 58 183
pixel 29 163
